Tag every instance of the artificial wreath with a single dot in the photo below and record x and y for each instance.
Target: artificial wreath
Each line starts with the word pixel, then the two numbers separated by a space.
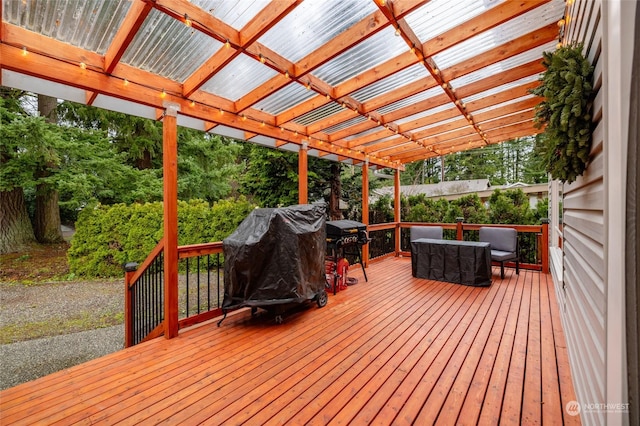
pixel 567 88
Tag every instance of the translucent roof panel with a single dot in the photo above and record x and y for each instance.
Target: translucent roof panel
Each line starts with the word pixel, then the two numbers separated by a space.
pixel 439 16
pixel 285 98
pixel 167 47
pixel 372 52
pixel 502 66
pixel 503 104
pixel 510 30
pixel 312 24
pixel 386 85
pixel 238 78
pixel 317 114
pixel 362 134
pixel 502 88
pixel 418 97
pixel 90 24
pixel 234 13
pixel 426 113
pixel 354 121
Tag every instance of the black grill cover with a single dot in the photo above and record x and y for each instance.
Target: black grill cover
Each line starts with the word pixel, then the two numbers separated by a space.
pixel 276 256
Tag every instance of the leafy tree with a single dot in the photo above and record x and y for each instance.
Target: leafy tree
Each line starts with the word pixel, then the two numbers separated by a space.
pixel 427 210
pixel 469 207
pixel 206 165
pixel 510 207
pixel 140 139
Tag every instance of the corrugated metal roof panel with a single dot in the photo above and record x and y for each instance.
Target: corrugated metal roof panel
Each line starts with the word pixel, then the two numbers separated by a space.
pixel 500 67
pixel 167 47
pixel 501 88
pixel 418 97
pixel 90 24
pixel 501 34
pixel 317 114
pixel 395 81
pixel 439 16
pixel 312 24
pixel 235 13
pixel 238 78
pixel 373 51
pixel 285 98
pixel 345 124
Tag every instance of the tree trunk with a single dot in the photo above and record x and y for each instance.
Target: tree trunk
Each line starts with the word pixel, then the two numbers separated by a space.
pixel 15 228
pixel 336 190
pixel 47 211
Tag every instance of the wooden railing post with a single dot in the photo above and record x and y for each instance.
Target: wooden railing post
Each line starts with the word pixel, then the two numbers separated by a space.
pixel 396 210
pixel 129 272
pixel 365 208
pixel 303 175
pixel 170 201
pixel 459 230
pixel 545 246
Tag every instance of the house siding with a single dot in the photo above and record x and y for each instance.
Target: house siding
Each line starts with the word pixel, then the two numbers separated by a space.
pixel 582 289
pixel 589 291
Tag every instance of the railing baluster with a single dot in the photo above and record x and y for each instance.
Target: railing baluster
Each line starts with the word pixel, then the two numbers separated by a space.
pixel 187 301
pixel 198 282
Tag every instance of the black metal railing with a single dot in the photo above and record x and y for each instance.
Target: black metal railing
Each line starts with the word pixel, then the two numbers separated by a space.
pixel 144 297
pixel 200 290
pixel 200 283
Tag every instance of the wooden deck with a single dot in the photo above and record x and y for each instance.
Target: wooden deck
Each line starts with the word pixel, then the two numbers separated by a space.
pixel 395 350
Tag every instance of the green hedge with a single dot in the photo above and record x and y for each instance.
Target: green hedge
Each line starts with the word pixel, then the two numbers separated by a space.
pixel 107 237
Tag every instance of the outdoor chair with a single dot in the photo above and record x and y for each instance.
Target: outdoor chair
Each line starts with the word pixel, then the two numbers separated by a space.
pixel 504 245
pixel 433 232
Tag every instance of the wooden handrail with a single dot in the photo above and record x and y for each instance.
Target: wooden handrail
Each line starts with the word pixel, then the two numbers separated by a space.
pixel 195 250
pixel 150 258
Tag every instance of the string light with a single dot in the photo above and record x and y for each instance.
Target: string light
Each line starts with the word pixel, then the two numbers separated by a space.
pixel 187 21
pixel 286 74
pixel 328 97
pixel 561 22
pixel 308 86
pixel 398 30
pixel 244 117
pixel 227 44
pixel 445 85
pixel 221 111
pixel 163 94
pixel 262 124
pixel 125 82
pixel 262 59
pixel 24 51
pixel 193 103
pixel 83 65
pixel 413 48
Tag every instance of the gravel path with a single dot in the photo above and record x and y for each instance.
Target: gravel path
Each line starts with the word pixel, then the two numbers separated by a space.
pixel 29 360
pixel 56 308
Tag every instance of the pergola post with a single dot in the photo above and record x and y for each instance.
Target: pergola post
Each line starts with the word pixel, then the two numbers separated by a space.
pixel 365 207
pixel 170 194
pixel 303 175
pixel 396 209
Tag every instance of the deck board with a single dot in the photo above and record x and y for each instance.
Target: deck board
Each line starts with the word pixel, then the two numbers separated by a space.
pixel 395 350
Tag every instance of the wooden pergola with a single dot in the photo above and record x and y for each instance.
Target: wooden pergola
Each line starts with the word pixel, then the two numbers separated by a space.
pixel 375 83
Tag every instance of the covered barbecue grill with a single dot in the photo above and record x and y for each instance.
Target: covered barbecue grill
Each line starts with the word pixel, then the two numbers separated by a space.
pixel 344 238
pixel 276 258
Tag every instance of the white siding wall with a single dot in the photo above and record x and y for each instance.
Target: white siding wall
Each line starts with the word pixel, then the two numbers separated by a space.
pixel 583 291
pixel 593 236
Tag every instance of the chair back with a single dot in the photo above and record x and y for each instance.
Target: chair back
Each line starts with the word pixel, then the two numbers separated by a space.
pixel 503 239
pixel 433 232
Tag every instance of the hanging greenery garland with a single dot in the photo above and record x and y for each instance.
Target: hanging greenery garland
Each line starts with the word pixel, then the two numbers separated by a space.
pixel 567 88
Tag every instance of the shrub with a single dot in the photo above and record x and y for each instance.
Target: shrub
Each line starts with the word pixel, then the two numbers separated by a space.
pixel 107 237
